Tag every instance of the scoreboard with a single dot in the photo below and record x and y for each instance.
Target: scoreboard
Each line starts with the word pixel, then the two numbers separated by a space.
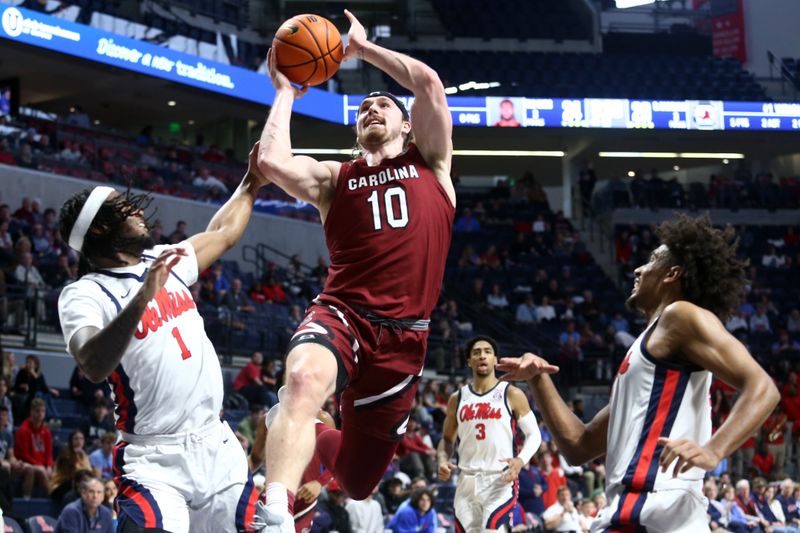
pixel 617 113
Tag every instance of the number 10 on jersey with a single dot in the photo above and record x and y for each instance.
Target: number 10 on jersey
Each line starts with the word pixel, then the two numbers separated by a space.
pixel 395 219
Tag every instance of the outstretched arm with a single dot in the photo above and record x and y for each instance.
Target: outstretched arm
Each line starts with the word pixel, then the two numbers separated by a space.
pixel 578 442
pixel 229 223
pixel 302 177
pixel 703 340
pixel 430 116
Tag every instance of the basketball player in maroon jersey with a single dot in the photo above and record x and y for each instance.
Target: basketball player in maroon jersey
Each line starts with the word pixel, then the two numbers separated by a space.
pixel 656 431
pixel 387 217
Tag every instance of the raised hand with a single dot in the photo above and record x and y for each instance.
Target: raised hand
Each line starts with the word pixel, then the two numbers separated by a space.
pixel 158 272
pixel 279 80
pixel 525 367
pixel 688 453
pixel 356 37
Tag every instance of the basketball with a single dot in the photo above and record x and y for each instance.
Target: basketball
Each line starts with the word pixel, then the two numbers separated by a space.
pixel 308 49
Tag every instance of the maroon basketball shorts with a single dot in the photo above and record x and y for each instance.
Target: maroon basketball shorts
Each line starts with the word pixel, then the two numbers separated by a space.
pixel 380 362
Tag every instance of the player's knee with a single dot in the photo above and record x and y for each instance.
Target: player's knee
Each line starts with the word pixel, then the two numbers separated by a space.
pixel 307 382
pixel 354 487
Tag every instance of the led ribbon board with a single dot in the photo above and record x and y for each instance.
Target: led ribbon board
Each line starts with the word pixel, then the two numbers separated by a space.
pixel 44 31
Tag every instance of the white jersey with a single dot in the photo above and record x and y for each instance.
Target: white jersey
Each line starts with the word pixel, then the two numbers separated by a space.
pixel 169 379
pixel 652 398
pixel 485 429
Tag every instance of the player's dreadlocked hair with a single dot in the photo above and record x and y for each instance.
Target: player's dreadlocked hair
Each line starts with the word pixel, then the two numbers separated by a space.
pixel 103 238
pixel 713 277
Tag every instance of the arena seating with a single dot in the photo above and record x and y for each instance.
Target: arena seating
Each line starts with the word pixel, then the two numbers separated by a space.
pixel 582 75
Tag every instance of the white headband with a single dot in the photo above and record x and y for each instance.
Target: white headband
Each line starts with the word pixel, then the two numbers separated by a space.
pixel 86 216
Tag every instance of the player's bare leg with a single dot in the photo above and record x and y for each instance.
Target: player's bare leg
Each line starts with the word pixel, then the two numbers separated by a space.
pixel 310 379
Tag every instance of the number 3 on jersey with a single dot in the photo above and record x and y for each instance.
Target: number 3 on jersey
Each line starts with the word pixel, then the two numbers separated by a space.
pixel 394 219
pixel 480 433
pixel 185 353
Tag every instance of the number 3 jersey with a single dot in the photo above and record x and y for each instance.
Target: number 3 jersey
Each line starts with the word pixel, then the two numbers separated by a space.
pixel 169 379
pixel 485 429
pixel 388 232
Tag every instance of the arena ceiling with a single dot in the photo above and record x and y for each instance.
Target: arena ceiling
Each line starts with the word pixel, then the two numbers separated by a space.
pixel 127 101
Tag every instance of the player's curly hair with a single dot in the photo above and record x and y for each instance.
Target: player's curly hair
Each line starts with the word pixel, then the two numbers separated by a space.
pixel 103 238
pixel 713 276
pixel 477 338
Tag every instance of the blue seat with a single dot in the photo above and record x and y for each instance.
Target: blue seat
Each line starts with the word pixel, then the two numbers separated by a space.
pixel 41 524
pixel 11 525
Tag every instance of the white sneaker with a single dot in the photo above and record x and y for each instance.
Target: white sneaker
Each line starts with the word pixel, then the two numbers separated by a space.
pixel 266 521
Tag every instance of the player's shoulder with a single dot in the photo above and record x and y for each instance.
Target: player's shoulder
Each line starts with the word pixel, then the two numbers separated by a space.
pixel 684 315
pixel 82 287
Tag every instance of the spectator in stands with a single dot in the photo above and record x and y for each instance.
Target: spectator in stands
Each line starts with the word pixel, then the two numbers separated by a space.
pixel 526 311
pixel 773 259
pixel 98 423
pixel 623 248
pixel 415 515
pixel 365 515
pixel 109 495
pixel 771 522
pixel 789 504
pixel 562 515
pixel 77 117
pixel 759 322
pixel 145 137
pixel 71 152
pixel 496 299
pixel 5 236
pixel 774 428
pixel 5 400
pixel 785 347
pixel 793 321
pixel 221 283
pixel 553 475
pixel 28 276
pixel 330 514
pixel 71 459
pixel 532 486
pixel 214 154
pixel 466 222
pixel 62 275
pixel 416 457
pixel 545 312
pixel 248 426
pixel 737 323
pixel 179 234
pixel 88 514
pixel 763 462
pixel 236 299
pixel 101 459
pixel 7 459
pixel 33 447
pixel 149 158
pixel 30 383
pixel 205 180
pixel 26 157
pixel 249 384
pixel 719 515
pixel 739 520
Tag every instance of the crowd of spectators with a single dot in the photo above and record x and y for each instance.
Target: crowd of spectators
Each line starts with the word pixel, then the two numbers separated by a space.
pixel 739 190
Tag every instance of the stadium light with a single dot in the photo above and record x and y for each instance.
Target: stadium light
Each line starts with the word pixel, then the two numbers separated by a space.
pixel 673 155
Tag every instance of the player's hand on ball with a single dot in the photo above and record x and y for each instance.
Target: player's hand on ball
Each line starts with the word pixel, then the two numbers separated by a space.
pixel 446 470
pixel 356 37
pixel 526 367
pixel 688 453
pixel 279 80
pixel 309 492
pixel 159 270
pixel 512 470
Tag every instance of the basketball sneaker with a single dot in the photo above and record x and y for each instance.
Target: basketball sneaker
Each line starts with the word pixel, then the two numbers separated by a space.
pixel 267 521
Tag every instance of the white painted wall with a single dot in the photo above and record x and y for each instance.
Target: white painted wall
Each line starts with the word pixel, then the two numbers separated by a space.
pixel 770 25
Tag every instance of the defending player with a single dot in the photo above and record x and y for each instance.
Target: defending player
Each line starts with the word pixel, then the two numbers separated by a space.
pixel 387 218
pixel 656 431
pixel 484 415
pixel 132 320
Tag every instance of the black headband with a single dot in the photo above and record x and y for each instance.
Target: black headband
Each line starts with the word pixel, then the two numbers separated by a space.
pixel 391 97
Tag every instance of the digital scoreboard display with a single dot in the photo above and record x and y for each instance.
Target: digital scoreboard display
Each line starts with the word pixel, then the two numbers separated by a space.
pixel 616 113
pixel 63 36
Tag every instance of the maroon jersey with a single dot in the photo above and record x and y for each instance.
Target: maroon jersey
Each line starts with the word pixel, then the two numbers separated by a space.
pixel 388 231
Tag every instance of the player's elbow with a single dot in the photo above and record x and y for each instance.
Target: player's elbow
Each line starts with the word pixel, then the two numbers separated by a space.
pixel 428 80
pixel 770 393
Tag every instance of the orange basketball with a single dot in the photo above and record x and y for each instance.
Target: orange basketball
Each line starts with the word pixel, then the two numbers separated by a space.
pixel 308 49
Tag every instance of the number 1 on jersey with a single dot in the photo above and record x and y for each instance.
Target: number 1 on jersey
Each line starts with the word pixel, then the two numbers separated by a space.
pixel 185 353
pixel 395 220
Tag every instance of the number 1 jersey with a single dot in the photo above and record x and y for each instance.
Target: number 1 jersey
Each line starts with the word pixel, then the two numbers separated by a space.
pixel 388 232
pixel 169 379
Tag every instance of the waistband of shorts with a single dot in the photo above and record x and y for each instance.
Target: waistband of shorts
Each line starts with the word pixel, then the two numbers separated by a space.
pixel 480 472
pixel 173 438
pixel 410 324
